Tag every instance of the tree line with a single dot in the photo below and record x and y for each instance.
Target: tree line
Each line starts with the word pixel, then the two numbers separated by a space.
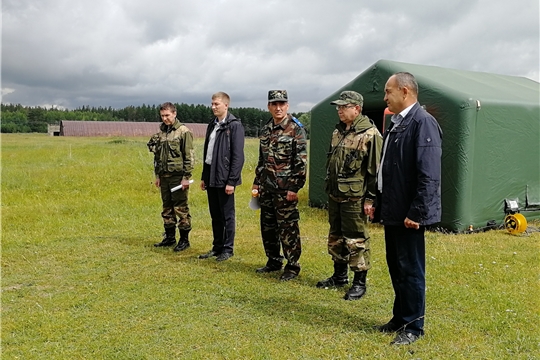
pixel 26 119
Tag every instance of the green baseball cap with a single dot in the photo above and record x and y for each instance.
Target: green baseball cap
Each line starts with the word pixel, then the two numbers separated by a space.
pixel 349 97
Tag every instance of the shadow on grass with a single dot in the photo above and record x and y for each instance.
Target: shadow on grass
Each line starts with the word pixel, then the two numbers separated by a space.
pixel 296 300
pixel 237 263
pixel 333 314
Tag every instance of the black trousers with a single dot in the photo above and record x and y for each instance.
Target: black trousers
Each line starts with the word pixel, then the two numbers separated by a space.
pixel 406 259
pixel 223 216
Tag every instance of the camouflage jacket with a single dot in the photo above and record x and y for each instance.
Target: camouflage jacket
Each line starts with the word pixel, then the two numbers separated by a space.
pixel 173 150
pixel 353 160
pixel 282 156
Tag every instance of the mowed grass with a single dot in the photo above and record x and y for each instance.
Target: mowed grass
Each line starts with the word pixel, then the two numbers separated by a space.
pixel 82 280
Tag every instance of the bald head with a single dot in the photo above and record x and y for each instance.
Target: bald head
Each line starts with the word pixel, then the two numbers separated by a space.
pixel 407 80
pixel 400 92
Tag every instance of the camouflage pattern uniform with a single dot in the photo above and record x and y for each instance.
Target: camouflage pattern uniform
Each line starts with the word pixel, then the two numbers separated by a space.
pixel 173 162
pixel 351 165
pixel 281 168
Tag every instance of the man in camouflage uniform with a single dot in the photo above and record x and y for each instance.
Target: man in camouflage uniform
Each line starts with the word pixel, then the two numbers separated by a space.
pixel 173 165
pixel 351 174
pixel 280 174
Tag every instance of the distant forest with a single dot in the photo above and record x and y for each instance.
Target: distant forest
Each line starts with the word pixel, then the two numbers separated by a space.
pixel 24 119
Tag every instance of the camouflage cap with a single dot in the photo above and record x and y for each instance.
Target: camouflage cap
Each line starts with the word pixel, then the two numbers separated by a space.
pixel 349 97
pixel 277 95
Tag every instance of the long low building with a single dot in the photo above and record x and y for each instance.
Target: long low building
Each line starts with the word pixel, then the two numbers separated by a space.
pixel 120 128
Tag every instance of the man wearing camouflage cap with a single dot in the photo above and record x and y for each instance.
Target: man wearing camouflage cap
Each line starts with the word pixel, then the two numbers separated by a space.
pixel 279 175
pixel 351 174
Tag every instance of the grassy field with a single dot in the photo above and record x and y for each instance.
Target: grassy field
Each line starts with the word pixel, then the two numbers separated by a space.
pixel 81 279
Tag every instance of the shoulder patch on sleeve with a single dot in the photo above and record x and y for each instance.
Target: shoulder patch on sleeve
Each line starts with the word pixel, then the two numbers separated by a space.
pixel 297 121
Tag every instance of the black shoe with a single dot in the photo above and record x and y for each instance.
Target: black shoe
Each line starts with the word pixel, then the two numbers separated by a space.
pixel 332 282
pixel 209 254
pixel 169 238
pixel 355 292
pixel 389 327
pixel 166 242
pixel 182 245
pixel 287 275
pixel 358 288
pixel 267 269
pixel 224 256
pixel 404 338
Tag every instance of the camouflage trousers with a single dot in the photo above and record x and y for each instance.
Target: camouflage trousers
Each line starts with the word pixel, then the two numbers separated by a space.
pixel 348 239
pixel 279 229
pixel 175 204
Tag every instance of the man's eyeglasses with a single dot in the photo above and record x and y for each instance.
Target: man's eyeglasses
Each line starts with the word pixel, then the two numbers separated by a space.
pixel 343 107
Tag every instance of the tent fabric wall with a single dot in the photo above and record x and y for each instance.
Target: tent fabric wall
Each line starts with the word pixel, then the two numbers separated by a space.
pixel 491 138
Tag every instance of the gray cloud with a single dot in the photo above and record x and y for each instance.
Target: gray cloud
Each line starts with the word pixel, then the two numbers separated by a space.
pixel 120 53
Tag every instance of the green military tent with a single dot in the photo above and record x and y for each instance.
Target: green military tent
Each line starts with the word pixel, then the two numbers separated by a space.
pixel 491 139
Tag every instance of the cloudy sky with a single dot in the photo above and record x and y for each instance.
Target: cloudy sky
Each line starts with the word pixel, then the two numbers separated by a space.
pixel 129 52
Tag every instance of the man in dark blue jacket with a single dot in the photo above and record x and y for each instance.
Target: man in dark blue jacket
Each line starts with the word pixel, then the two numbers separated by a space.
pixel 409 182
pixel 222 170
